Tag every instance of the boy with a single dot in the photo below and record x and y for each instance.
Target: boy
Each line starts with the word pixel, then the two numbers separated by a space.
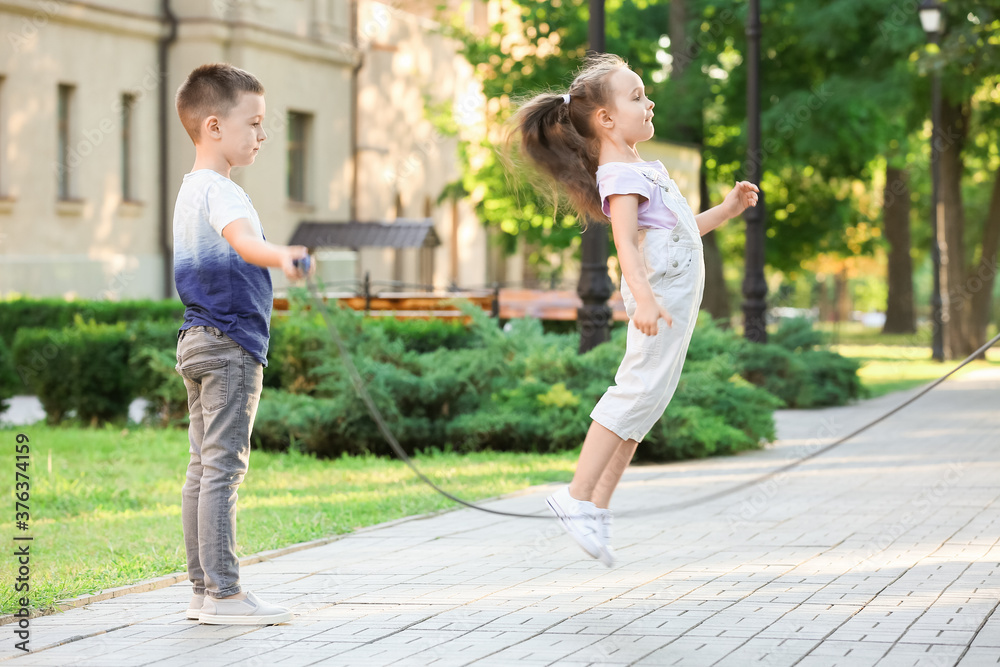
pixel 220 267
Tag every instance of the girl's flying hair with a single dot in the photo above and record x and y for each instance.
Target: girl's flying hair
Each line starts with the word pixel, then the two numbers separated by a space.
pixel 558 138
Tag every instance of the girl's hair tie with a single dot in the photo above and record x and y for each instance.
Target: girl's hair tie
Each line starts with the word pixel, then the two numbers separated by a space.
pixel 566 98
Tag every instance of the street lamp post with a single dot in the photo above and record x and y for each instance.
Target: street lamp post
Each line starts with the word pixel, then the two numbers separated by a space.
pixel 932 22
pixel 594 288
pixel 754 285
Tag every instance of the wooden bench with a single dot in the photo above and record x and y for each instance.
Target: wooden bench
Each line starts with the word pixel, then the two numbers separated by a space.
pixel 408 305
pixel 513 304
pixel 551 304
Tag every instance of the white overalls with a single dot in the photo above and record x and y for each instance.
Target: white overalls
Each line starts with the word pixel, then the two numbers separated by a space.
pixel 648 375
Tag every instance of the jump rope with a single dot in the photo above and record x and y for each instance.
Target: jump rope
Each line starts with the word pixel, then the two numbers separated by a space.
pixel 383 428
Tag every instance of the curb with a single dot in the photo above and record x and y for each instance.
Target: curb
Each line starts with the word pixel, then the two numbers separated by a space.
pixel 171 579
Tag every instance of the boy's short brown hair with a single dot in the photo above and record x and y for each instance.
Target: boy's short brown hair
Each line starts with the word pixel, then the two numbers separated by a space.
pixel 212 90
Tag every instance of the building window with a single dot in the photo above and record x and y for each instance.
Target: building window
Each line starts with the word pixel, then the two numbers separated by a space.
pixel 298 136
pixel 63 112
pixel 128 104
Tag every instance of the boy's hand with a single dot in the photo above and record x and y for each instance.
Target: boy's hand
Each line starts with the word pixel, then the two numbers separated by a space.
pixel 293 252
pixel 647 318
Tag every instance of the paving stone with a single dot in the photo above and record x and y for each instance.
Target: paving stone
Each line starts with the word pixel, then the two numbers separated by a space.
pixel 882 552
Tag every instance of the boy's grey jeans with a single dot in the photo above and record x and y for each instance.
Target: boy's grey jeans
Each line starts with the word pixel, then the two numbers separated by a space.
pixel 223 386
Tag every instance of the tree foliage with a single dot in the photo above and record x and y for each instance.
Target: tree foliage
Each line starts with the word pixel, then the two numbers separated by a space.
pixel 844 91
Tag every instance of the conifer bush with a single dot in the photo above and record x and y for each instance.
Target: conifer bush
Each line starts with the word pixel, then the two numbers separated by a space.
pixel 438 384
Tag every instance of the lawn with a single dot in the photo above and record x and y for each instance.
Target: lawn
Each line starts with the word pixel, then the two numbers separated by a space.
pixel 855 333
pixel 894 362
pixel 105 503
pixel 889 368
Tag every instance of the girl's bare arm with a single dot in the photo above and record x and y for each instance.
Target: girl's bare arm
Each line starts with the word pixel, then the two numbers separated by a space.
pixel 625 228
pixel 710 219
pixel 738 200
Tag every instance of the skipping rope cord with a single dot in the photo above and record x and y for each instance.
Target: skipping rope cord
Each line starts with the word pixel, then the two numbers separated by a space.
pixel 362 391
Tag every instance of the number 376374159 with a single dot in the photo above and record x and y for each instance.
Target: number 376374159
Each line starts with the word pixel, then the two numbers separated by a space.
pixel 22 488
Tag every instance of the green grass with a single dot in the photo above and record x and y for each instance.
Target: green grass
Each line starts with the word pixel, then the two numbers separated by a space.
pixel 105 503
pixel 855 333
pixel 889 368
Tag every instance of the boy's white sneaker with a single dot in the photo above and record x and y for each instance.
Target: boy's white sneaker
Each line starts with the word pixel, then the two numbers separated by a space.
pixel 578 518
pixel 607 555
pixel 194 607
pixel 250 611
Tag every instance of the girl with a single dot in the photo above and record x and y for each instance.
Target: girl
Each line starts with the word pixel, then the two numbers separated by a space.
pixel 586 140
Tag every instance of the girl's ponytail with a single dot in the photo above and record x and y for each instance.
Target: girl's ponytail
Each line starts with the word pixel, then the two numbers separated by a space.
pixel 557 136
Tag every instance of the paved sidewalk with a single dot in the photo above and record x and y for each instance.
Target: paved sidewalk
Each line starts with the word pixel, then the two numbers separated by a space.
pixel 882 552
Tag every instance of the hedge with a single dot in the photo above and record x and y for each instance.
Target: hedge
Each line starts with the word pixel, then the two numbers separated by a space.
pixel 520 390
pixel 441 384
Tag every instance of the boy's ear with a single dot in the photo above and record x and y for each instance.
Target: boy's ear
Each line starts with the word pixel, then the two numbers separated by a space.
pixel 210 127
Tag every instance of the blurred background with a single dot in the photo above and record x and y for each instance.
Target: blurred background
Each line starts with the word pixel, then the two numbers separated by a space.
pixel 391 112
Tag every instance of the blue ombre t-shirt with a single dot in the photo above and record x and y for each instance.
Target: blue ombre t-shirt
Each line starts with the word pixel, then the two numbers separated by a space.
pixel 217 286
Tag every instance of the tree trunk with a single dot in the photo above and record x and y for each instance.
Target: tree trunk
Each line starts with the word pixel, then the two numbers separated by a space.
pixel 683 128
pixel 951 230
pixel 841 297
pixel 821 296
pixel 531 275
pixel 983 274
pixel 899 316
pixel 716 299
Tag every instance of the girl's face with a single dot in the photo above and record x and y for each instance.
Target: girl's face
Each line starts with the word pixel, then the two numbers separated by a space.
pixel 629 116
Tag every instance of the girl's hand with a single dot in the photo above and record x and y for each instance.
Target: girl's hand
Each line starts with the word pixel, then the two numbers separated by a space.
pixel 740 198
pixel 647 318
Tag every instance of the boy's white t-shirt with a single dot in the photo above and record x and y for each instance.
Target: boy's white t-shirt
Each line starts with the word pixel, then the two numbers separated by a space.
pixel 217 286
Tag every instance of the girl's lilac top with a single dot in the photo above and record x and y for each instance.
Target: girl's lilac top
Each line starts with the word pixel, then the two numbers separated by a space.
pixel 626 178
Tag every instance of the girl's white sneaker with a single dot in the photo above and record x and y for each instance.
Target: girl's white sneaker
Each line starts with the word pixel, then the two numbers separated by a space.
pixel 578 518
pixel 607 554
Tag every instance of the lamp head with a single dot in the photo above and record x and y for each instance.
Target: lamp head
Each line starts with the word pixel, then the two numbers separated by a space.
pixel 930 16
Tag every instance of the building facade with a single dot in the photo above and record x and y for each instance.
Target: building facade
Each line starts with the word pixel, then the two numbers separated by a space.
pixel 92 152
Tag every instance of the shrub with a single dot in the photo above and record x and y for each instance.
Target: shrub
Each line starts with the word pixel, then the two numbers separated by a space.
pixel 10 383
pixel 773 368
pixel 82 368
pixel 831 379
pixel 425 335
pixel 802 377
pixel 441 384
pixel 713 412
pixel 796 334
pixel 161 385
pixel 103 385
pixel 300 342
pixel 152 357
pixel 44 364
pixel 521 390
pixel 298 345
pixel 59 314
pixel 54 313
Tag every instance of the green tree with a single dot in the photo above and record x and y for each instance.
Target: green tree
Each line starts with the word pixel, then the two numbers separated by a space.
pixel 969 65
pixel 541 52
pixel 845 101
